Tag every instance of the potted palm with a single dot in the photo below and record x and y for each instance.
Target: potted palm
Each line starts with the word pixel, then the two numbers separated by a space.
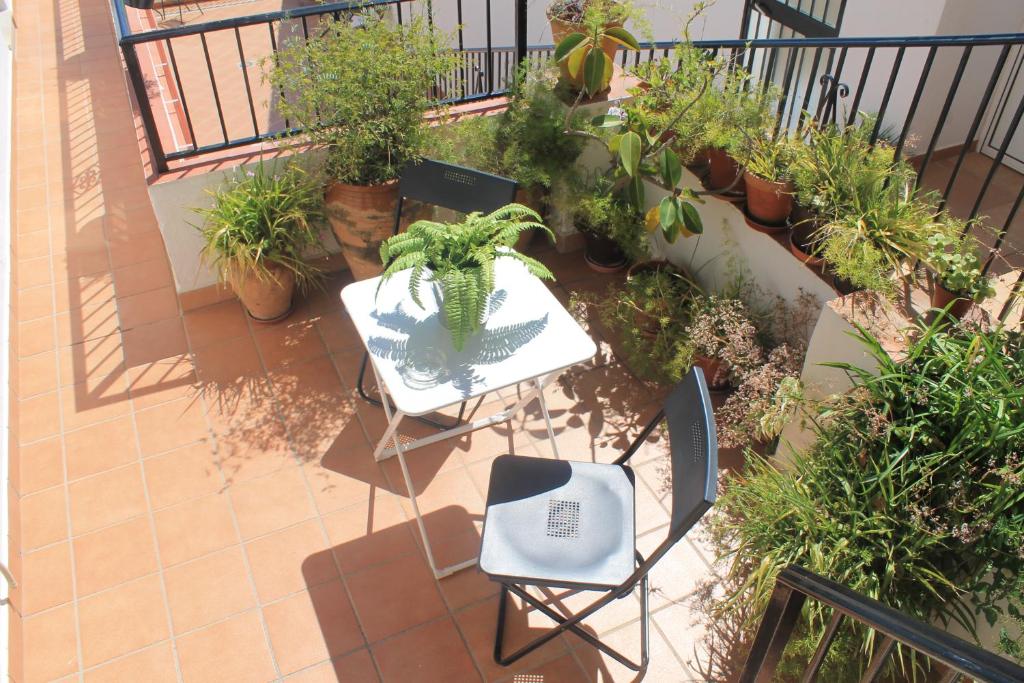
pixel 457 260
pixel 360 91
pixel 959 282
pixel 767 177
pixel 260 226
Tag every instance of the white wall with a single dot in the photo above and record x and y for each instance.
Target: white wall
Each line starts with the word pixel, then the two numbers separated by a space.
pixel 6 114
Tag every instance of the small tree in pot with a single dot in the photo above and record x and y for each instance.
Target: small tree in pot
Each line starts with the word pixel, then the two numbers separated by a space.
pixel 257 231
pixel 580 26
pixel 360 91
pixel 458 259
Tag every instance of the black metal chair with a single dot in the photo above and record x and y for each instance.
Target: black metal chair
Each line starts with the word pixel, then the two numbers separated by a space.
pixel 560 524
pixel 450 187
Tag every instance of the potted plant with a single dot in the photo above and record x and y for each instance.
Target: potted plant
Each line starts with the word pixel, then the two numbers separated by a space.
pixel 959 282
pixel 257 231
pixel 140 4
pixel 768 181
pixel 613 231
pixel 723 339
pixel 457 260
pixel 360 93
pixel 587 35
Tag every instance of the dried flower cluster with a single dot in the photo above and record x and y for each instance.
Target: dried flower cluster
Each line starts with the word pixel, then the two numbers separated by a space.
pixel 762 402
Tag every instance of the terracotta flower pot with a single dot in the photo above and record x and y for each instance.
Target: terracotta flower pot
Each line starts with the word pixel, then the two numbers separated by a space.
pixel 267 299
pixel 560 29
pixel 715 372
pixel 723 170
pixel 801 251
pixel 802 241
pixel 942 297
pixel 362 216
pixel 767 201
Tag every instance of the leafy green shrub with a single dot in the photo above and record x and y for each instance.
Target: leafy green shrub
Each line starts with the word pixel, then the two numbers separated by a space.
pixel 601 213
pixel 266 216
pixel 953 255
pixel 911 495
pixel 360 92
pixel 460 259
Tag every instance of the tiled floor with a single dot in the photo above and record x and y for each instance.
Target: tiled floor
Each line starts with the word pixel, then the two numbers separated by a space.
pixel 194 497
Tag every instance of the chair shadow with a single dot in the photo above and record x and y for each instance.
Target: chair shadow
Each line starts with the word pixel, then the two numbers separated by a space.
pixel 454 538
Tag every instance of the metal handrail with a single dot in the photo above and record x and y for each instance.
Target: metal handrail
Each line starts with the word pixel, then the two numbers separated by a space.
pixel 794 584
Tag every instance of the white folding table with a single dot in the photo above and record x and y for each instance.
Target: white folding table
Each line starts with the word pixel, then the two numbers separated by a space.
pixel 528 338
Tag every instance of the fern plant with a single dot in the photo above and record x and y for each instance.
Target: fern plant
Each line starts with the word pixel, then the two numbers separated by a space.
pixel 459 258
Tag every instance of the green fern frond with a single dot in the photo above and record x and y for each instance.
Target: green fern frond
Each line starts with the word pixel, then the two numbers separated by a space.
pixel 536 268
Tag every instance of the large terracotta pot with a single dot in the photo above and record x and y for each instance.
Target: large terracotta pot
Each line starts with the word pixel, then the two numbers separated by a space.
pixel 267 299
pixel 716 373
pixel 723 170
pixel 768 202
pixel 942 297
pixel 560 29
pixel 362 216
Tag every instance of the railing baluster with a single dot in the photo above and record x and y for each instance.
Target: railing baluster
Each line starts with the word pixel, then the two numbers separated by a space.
pixel 998 160
pixel 1002 231
pixel 305 28
pixel 940 124
pixel 877 664
pixel 181 94
pixel 814 666
pixel 277 62
pixel 490 51
pixel 925 71
pixel 979 114
pixel 245 76
pixel 888 93
pixel 860 86
pixel 790 65
pixel 810 87
pixel 772 635
pixel 213 83
pixel 1012 299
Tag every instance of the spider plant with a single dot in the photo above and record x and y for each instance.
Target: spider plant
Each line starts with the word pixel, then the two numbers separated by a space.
pixel 458 258
pixel 262 221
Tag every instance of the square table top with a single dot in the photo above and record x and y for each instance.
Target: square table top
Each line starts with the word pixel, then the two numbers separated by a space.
pixel 527 334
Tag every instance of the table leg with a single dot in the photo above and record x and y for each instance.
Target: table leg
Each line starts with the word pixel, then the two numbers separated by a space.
pixel 547 416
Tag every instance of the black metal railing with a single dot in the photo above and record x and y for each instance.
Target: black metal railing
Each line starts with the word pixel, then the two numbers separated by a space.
pixel 795 585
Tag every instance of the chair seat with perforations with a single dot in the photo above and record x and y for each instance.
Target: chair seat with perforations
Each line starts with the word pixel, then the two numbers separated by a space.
pixel 559 523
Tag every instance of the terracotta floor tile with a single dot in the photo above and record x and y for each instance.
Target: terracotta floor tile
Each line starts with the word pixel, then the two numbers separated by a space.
pixel 40 466
pixel 289 343
pixel 45 579
pixel 49 645
pixel 141 247
pixel 153 665
pixel 194 528
pixel 142 277
pixel 33 245
pixel 182 474
pixel 565 669
pixel 106 498
pixel 372 532
pixel 338 332
pixel 43 518
pixel 272 502
pixel 113 555
pixel 161 381
pixel 441 655
pixel 170 425
pixel 147 343
pixel 215 323
pixel 85 293
pixel 307 627
pixel 37 374
pixel 209 589
pixel 80 263
pixel 232 650
pixel 34 272
pixel 467 587
pixel 82 324
pixel 148 307
pixel 357 667
pixel 100 447
pixel 251 439
pixel 395 596
pixel 91 362
pixel 122 619
pixel 82 406
pixel 347 473
pixel 38 417
pixel 290 560
pixel 36 302
pixel 225 364
pixel 478 625
pixel 35 336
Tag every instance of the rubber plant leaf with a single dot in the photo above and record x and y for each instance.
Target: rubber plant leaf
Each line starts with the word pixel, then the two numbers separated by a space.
pixel 606 121
pixel 622 37
pixel 630 149
pixel 594 71
pixel 669 167
pixel 692 223
pixel 652 219
pixel 568 44
pixel 576 58
pixel 667 215
pixel 635 192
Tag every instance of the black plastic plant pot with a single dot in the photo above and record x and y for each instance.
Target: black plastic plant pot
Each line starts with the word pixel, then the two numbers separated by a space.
pixel 139 4
pixel 602 253
pixel 844 286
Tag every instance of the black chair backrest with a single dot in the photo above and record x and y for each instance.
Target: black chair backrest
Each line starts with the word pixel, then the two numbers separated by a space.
pixel 694 449
pixel 455 187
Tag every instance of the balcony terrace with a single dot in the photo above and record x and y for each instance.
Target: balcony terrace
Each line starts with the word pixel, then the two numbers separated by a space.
pixel 194 496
